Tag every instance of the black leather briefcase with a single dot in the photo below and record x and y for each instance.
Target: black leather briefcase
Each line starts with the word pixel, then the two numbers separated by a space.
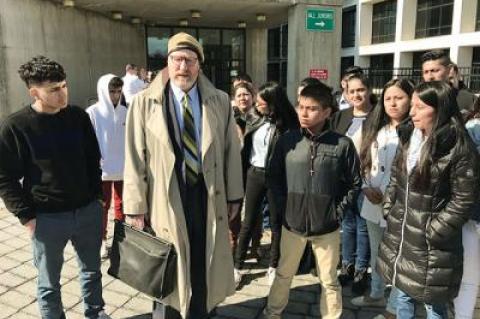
pixel 142 261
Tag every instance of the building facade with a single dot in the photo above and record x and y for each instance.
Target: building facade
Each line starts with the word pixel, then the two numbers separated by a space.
pixel 388 37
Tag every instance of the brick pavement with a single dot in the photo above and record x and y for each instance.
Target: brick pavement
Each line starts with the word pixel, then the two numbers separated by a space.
pixel 18 301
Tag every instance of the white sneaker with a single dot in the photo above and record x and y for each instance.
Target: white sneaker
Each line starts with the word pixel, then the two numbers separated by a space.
pixel 105 250
pixel 237 277
pixel 271 275
pixel 103 315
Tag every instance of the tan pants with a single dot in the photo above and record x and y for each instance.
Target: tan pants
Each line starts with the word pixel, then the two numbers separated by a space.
pixel 325 248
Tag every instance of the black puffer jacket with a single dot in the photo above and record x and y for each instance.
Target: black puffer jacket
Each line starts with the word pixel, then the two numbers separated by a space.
pixel 314 179
pixel 421 252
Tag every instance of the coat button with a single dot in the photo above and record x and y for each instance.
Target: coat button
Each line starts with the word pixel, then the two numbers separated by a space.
pixel 220 218
pixel 217 192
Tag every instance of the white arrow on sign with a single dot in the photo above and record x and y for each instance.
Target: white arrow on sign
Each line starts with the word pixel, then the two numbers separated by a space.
pixel 321 23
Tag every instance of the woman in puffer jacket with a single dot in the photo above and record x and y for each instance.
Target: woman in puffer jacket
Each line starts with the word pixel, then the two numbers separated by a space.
pixel 432 190
pixel 467 296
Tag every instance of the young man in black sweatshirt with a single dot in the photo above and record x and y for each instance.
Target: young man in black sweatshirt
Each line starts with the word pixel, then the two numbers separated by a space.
pixel 314 177
pixel 50 178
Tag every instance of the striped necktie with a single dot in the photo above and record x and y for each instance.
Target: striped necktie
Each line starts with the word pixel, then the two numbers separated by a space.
pixel 189 140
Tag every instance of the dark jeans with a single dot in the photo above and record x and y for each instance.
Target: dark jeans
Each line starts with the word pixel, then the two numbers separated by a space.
pixel 254 194
pixel 83 227
pixel 195 210
pixel 355 243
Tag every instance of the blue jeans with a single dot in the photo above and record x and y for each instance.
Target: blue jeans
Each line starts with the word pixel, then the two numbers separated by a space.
pixel 355 245
pixel 83 227
pixel 406 308
pixel 375 234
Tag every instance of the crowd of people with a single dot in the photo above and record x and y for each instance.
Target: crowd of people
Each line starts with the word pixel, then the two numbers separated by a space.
pixel 383 191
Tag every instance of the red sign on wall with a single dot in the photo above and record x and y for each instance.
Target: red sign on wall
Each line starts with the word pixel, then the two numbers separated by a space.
pixel 321 74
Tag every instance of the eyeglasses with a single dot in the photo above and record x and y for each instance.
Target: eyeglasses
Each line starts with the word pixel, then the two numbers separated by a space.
pixel 177 60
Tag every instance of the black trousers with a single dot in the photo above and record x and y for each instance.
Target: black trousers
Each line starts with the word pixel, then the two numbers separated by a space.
pixel 195 209
pixel 255 192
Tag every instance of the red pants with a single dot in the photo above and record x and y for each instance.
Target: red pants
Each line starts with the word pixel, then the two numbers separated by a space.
pixel 117 202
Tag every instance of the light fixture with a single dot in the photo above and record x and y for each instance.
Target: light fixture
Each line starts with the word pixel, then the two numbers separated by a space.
pixel 136 20
pixel 196 14
pixel 68 3
pixel 183 22
pixel 241 24
pixel 261 17
pixel 117 15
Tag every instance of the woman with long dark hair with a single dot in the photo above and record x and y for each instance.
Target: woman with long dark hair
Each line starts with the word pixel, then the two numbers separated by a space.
pixel 355 246
pixel 467 296
pixel 273 116
pixel 377 152
pixel 433 188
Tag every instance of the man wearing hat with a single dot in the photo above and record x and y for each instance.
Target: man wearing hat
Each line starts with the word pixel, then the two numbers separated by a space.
pixel 183 175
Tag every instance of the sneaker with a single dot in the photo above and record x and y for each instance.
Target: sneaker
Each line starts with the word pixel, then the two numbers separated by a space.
pixel 237 277
pixel 271 275
pixel 367 301
pixel 360 282
pixel 105 250
pixel 346 275
pixel 103 315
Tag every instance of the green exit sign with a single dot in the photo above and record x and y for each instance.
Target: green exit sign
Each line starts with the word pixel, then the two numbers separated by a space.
pixel 320 20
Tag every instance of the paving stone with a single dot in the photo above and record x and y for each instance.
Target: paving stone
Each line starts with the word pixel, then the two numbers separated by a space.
pixel 16 299
pixel 115 298
pixel 5 249
pixel 245 300
pixel 348 314
pixel 69 271
pixel 72 287
pixel 26 270
pixel 3 289
pixel 123 313
pixel 17 243
pixel 23 315
pixel 292 316
pixel 364 314
pixel 10 280
pixel 32 309
pixel 121 288
pixel 28 288
pixel 7 263
pixel 303 296
pixel 21 255
pixel 237 312
pixel 139 305
pixel 7 311
pixel 298 308
pixel 69 300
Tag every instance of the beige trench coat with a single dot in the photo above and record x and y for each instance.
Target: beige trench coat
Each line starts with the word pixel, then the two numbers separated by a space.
pixel 151 187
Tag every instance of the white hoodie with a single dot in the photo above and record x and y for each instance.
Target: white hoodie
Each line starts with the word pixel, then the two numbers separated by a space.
pixel 109 125
pixel 131 86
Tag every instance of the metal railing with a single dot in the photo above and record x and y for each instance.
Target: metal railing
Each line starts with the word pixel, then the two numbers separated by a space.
pixel 378 77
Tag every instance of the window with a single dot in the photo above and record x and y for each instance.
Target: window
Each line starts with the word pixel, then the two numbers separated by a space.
pixel 474 78
pixel 345 62
pixel 348 26
pixel 434 17
pixel 224 51
pixel 277 53
pixel 383 21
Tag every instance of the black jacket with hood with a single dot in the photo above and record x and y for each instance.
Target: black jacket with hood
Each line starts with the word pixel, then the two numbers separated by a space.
pixel 421 252
pixel 314 179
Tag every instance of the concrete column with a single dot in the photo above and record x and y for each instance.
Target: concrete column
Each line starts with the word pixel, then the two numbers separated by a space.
pixel 256 59
pixel 408 17
pixel 312 49
pixel 364 23
pixel 403 60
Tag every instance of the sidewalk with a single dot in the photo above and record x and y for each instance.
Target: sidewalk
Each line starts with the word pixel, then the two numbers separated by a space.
pixel 17 287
